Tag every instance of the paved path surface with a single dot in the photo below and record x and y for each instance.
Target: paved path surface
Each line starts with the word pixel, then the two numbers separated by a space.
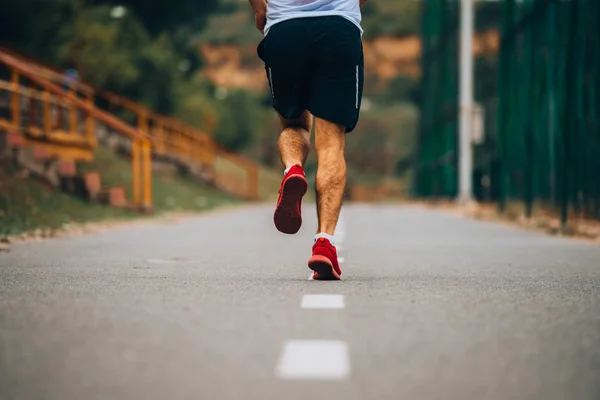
pixel 432 307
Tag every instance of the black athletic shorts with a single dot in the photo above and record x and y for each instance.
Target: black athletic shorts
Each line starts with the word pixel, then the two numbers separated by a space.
pixel 315 64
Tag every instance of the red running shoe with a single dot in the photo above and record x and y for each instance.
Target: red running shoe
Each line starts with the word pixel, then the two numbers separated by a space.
pixel 324 261
pixel 288 214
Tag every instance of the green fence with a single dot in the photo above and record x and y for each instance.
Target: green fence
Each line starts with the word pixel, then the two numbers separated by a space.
pixel 540 97
pixel 438 130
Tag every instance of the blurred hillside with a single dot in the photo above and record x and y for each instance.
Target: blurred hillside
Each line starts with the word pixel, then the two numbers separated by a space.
pixel 196 60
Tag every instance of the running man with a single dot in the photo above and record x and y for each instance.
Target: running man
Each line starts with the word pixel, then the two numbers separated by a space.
pixel 313 55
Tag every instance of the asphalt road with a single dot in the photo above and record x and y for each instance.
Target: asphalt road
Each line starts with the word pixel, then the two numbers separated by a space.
pixel 431 306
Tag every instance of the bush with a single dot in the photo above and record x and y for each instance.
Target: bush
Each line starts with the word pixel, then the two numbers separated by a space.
pixel 241 118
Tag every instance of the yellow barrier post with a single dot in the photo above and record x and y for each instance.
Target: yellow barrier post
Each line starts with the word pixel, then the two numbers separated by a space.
pixel 147 175
pixel 59 104
pixel 47 123
pixel 135 161
pixel 16 109
pixel 146 161
pixel 72 114
pixel 142 118
pixel 90 126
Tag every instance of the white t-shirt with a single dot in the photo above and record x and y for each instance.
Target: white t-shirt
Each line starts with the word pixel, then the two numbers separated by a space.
pixel 281 10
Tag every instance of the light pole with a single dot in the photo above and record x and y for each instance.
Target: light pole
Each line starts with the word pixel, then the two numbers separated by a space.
pixel 465 154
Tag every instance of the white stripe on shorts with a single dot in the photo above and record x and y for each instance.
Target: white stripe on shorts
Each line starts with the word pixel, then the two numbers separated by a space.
pixel 271 82
pixel 356 106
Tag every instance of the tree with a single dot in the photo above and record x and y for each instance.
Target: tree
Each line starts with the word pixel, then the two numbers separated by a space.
pixel 36 27
pixel 178 18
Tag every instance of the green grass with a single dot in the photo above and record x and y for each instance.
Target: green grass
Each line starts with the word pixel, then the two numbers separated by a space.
pixel 27 204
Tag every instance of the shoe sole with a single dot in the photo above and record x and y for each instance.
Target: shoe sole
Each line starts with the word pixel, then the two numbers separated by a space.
pixel 324 268
pixel 287 219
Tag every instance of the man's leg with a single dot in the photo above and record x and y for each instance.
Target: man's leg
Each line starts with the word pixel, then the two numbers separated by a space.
pixel 336 93
pixel 286 52
pixel 294 145
pixel 330 139
pixel 294 141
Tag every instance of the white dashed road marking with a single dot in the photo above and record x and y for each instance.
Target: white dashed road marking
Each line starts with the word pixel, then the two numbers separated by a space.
pixel 322 301
pixel 160 261
pixel 317 360
pixel 314 360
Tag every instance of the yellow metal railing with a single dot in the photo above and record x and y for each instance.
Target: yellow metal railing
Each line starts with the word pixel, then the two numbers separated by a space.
pixel 168 137
pixel 44 121
pixel 187 143
pixel 64 124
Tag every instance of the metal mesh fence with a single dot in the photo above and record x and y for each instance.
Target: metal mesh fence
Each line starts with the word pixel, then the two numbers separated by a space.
pixel 540 103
